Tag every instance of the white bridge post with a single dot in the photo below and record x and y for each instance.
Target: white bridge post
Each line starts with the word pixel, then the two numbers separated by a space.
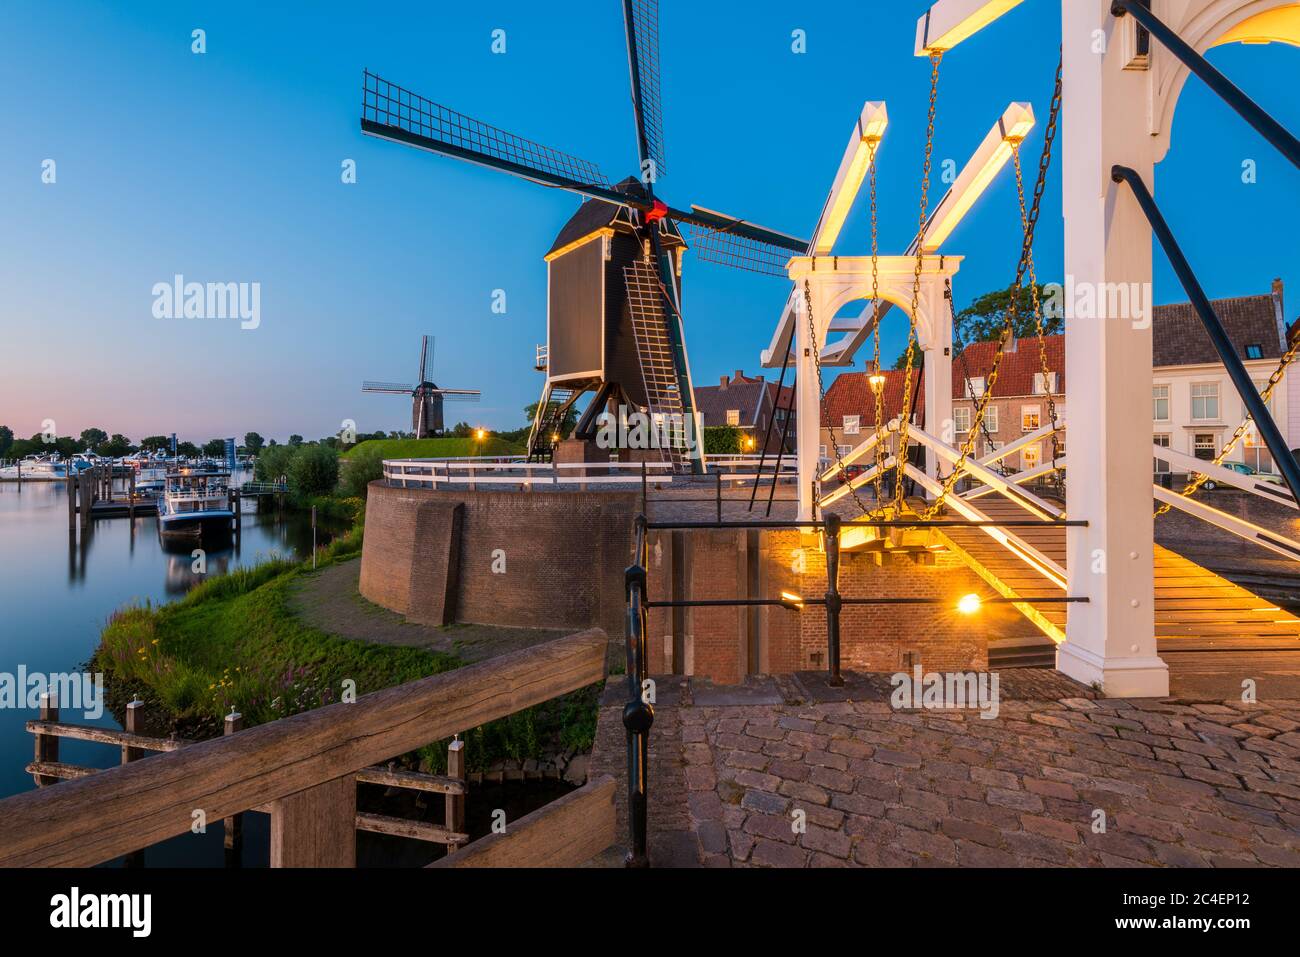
pixel 1110 639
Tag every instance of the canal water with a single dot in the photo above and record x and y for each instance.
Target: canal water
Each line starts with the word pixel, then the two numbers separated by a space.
pixel 55 598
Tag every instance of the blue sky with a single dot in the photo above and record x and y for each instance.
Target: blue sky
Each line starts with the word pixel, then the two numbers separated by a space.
pixel 226 167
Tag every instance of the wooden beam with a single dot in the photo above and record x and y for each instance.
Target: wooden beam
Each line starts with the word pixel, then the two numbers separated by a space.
pixel 565 833
pixel 949 22
pixel 85 822
pixel 316 827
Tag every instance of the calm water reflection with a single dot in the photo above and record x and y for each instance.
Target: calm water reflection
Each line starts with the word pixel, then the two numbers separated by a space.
pixel 56 596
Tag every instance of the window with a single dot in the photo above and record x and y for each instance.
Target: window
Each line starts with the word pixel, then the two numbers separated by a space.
pixel 851 424
pixel 1041 387
pixel 1160 403
pixel 961 419
pixel 1030 418
pixel 843 450
pixel 975 386
pixel 1203 445
pixel 1254 351
pixel 1030 456
pixel 1161 466
pixel 821 451
pixel 991 418
pixel 1205 401
pixel 733 417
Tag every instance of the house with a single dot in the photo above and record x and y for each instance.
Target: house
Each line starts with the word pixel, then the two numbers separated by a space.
pixel 849 408
pixel 749 403
pixel 1195 407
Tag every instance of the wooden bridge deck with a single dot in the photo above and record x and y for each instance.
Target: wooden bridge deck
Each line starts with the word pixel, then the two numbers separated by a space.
pixel 1196 610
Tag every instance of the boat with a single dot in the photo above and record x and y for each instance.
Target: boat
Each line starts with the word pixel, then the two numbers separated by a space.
pixel 195 503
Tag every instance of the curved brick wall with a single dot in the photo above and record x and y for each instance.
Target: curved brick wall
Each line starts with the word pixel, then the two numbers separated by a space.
pixel 429 555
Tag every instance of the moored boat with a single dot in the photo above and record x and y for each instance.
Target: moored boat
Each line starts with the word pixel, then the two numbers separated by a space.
pixel 195 503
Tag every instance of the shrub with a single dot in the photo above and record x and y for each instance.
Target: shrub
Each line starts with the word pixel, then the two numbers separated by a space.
pixel 721 440
pixel 313 470
pixel 272 462
pixel 363 466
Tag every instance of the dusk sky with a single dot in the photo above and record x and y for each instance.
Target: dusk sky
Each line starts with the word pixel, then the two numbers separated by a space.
pixel 225 167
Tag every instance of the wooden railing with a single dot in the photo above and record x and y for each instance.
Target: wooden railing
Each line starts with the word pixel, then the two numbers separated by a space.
pixel 303 770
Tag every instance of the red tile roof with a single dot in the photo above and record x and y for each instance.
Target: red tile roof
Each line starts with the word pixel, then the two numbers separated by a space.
pixel 1016 373
pixel 850 394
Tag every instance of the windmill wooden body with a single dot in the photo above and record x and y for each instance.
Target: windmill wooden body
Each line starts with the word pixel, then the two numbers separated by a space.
pixel 614 324
pixel 426 397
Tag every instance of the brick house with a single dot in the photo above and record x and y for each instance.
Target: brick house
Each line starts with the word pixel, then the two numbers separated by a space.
pixel 1195 407
pixel 748 403
pixel 849 408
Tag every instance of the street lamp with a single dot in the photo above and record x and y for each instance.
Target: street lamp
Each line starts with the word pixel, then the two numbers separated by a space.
pixel 479 436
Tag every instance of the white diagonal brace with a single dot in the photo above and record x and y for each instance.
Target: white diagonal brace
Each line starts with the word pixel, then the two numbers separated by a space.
pixel 1230 523
pixel 1022 497
pixel 1226 476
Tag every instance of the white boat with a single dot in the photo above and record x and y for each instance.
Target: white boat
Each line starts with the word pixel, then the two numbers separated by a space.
pixel 194 503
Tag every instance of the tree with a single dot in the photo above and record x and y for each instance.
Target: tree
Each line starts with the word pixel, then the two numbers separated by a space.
pixel 6 439
pixel 115 447
pixel 273 463
pixel 462 430
pixel 566 427
pixel 295 440
pixel 155 443
pixel 188 449
pixel 362 467
pixel 94 438
pixel 214 448
pixel 313 470
pixel 253 442
pixel 983 319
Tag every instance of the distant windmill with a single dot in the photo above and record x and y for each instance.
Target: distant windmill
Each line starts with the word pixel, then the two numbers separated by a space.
pixel 614 321
pixel 426 397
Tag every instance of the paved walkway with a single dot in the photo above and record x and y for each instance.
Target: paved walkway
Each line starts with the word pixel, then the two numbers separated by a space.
pixel 1177 783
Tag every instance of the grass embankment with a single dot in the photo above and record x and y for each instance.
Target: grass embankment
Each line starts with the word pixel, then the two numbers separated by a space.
pixel 235 643
pixel 433 448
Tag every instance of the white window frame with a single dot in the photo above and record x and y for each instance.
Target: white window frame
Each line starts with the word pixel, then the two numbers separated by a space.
pixel 1164 440
pixel 961 419
pixel 1213 447
pixel 1218 412
pixel 733 417
pixel 1156 399
pixel 976 386
pixel 852 424
pixel 1039 388
pixel 1031 456
pixel 1037 412
pixel 991 417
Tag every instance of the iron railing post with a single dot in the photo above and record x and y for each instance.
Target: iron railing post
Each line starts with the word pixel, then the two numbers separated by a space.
pixel 638 713
pixel 833 601
pixel 1249 110
pixel 1250 397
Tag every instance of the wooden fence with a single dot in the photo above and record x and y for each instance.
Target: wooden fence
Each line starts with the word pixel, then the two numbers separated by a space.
pixel 303 770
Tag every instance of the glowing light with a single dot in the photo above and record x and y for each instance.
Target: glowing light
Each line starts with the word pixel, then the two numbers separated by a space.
pixel 945 25
pixel 792 598
pixel 877 382
pixel 969 604
pixel 480 435
pixel 865 139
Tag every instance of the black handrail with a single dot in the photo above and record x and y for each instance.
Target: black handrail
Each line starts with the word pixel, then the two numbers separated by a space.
pixel 1250 396
pixel 638 713
pixel 1250 111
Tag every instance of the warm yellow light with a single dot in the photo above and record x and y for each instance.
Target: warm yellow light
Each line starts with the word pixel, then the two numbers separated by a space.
pixel 945 25
pixel 480 435
pixel 969 604
pixel 792 598
pixel 865 139
pixel 555 437
pixel 877 382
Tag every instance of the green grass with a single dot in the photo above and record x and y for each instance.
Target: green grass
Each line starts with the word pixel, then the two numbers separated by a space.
pixel 234 642
pixel 436 448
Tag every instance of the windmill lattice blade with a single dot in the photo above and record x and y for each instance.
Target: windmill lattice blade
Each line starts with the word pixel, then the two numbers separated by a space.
pixel 739 252
pixel 645 85
pixel 387 387
pixel 424 359
pixel 393 111
pixel 455 396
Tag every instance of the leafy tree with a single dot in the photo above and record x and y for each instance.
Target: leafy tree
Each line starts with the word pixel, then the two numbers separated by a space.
pixel 982 319
pixel 272 463
pixel 253 442
pixel 362 467
pixel 6 440
pixel 214 448
pixel 461 430
pixel 115 447
pixel 721 439
pixel 188 449
pixel 156 443
pixel 313 470
pixel 295 440
pixel 94 438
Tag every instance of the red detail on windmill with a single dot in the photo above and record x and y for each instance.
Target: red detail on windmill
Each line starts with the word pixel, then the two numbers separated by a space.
pixel 657 213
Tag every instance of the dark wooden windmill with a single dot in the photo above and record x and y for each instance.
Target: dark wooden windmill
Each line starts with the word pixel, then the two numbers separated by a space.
pixel 426 397
pixel 614 318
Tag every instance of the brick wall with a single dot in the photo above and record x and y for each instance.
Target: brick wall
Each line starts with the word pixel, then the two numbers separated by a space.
pixel 526 559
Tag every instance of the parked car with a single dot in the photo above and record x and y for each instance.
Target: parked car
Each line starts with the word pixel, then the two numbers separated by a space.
pixel 1243 469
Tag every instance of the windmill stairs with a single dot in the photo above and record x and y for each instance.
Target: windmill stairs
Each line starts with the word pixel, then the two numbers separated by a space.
pixel 655 350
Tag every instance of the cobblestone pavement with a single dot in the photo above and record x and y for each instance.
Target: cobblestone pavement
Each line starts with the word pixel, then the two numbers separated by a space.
pixel 1178 783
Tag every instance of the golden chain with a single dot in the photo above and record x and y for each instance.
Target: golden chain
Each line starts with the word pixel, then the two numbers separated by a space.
pixel 1038 321
pixel 1200 478
pixel 880 434
pixel 903 457
pixel 1009 319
